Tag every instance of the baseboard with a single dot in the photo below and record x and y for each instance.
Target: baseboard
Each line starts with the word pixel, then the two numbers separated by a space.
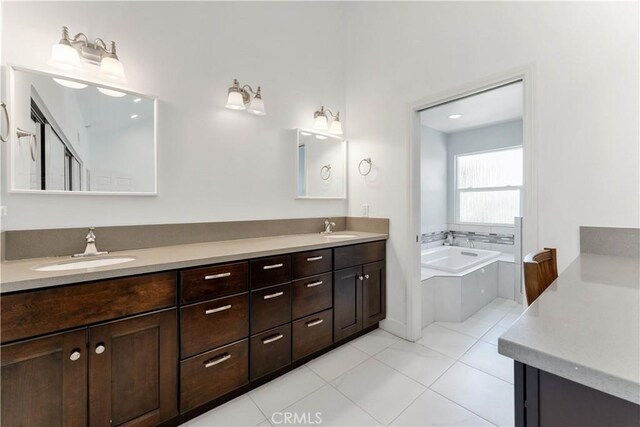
pixel 394 327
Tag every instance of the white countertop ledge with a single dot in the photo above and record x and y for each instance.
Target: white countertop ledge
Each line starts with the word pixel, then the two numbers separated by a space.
pixel 585 327
pixel 19 275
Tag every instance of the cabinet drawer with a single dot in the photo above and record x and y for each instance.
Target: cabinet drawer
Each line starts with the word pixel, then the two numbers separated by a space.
pixel 348 256
pixel 270 350
pixel 313 262
pixel 42 311
pixel 213 374
pixel 312 333
pixel 270 271
pixel 270 307
pixel 311 295
pixel 213 323
pixel 199 284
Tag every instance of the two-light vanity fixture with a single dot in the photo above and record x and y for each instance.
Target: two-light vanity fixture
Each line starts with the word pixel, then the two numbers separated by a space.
pixel 70 53
pixel 321 121
pixel 239 98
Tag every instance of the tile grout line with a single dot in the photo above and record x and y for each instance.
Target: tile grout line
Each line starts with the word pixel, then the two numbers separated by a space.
pixel 464 407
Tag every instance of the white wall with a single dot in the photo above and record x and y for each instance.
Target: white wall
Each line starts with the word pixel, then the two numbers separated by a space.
pixel 433 170
pixel 585 107
pixel 187 53
pixel 493 137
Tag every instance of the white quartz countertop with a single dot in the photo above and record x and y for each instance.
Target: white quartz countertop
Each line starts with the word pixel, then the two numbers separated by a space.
pixel 20 275
pixel 585 327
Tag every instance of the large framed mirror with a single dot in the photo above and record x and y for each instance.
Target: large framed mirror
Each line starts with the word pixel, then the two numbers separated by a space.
pixel 321 166
pixel 71 136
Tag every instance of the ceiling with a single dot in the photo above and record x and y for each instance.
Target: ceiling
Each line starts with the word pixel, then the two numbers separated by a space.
pixel 494 106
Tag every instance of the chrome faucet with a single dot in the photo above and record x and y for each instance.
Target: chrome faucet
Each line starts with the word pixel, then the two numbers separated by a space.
pixel 91 249
pixel 327 226
pixel 469 243
pixel 448 240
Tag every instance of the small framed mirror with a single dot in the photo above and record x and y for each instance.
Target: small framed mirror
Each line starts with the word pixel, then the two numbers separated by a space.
pixel 321 165
pixel 71 136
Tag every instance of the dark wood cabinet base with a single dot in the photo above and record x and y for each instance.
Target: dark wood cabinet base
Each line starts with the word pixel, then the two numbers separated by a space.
pixel 547 400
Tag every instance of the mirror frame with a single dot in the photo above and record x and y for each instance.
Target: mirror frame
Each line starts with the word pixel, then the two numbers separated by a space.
pixel 12 68
pixel 297 167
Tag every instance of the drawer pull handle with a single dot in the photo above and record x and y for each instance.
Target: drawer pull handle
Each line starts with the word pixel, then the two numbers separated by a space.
pixel 217 276
pixel 216 310
pixel 75 355
pixel 314 284
pixel 314 258
pixel 314 322
pixel 220 359
pixel 276 295
pixel 272 266
pixel 272 339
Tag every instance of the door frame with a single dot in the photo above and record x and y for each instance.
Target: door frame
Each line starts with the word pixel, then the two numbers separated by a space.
pixel 530 183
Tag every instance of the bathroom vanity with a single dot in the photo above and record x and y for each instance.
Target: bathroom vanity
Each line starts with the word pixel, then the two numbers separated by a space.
pixel 186 335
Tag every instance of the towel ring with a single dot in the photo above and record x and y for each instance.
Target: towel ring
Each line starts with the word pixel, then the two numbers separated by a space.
pixel 33 141
pixel 325 175
pixel 366 160
pixel 6 115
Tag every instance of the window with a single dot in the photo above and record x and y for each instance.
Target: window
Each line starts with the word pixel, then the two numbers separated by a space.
pixel 489 186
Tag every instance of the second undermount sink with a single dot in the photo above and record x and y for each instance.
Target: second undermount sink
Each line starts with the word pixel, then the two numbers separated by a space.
pixel 340 236
pixel 78 264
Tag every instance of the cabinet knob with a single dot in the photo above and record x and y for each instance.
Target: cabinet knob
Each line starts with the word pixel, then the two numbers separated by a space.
pixel 100 348
pixel 75 355
pixel 360 278
pixel 366 276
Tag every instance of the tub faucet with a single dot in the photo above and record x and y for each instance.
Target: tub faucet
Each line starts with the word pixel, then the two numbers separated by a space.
pixel 469 243
pixel 327 226
pixel 448 240
pixel 91 249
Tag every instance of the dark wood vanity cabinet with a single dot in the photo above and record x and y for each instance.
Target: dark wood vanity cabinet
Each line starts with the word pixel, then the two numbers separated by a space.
pixel 163 347
pixel 359 290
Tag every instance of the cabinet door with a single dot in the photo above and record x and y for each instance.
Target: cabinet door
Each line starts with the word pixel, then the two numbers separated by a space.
pixel 347 302
pixel 373 293
pixel 133 370
pixel 44 381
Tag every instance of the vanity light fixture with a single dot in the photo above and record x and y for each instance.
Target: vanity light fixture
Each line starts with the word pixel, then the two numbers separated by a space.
pixel 239 98
pixel 455 116
pixel 66 55
pixel 321 121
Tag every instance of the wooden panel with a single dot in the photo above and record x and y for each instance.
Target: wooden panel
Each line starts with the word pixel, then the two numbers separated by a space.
pixel 312 333
pixel 312 295
pixel 213 374
pixel 566 403
pixel 134 380
pixel 309 263
pixel 270 307
pixel 41 385
pixel 213 323
pixel 540 270
pixel 215 281
pixel 347 302
pixel 374 293
pixel 270 350
pixel 348 256
pixel 39 312
pixel 270 271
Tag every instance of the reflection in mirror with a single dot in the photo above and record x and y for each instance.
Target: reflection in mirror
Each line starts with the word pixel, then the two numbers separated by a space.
pixel 321 165
pixel 81 137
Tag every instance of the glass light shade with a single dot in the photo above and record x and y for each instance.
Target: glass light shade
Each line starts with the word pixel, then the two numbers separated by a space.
pixel 111 92
pixel 257 107
pixel 112 69
pixel 235 101
pixel 69 83
pixel 64 57
pixel 336 127
pixel 320 123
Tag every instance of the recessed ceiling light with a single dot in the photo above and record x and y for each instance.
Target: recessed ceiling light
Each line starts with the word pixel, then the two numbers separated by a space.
pixel 137 100
pixel 134 116
pixel 455 116
pixel 321 137
pixel 305 133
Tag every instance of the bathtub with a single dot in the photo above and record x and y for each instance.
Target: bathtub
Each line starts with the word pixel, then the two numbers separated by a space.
pixel 455 259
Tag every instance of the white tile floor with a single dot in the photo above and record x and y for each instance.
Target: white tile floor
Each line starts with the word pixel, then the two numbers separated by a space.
pixel 453 376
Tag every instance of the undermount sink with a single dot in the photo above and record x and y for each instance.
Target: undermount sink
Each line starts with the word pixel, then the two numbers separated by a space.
pixel 340 236
pixel 78 264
